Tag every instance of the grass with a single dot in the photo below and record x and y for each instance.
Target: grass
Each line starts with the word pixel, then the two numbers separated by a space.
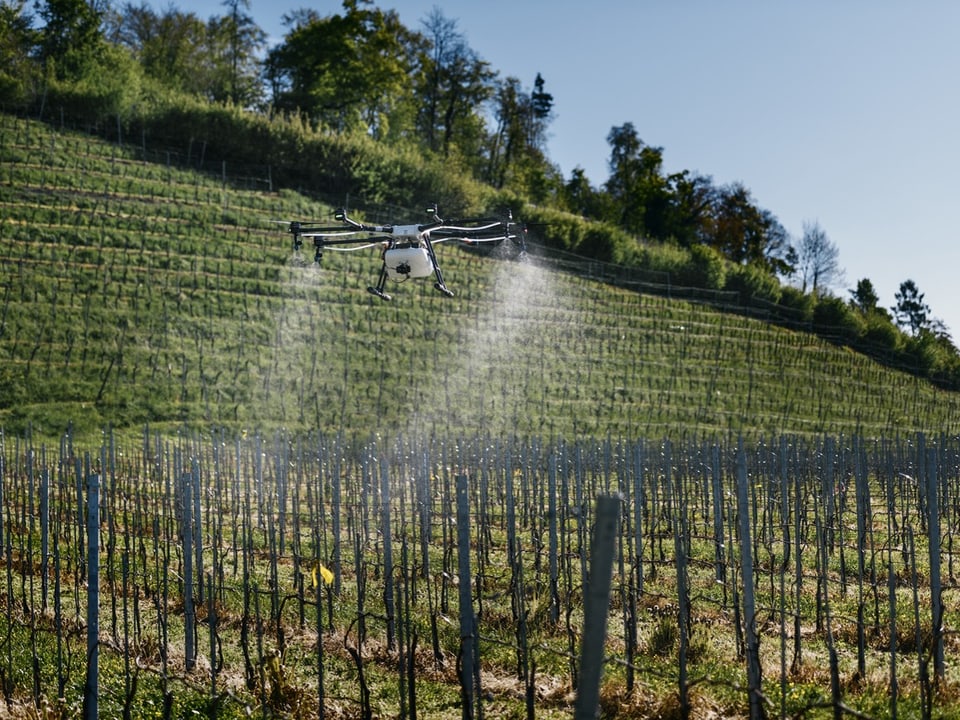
pixel 138 293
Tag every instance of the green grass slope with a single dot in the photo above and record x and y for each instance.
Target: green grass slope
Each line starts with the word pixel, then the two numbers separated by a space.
pixel 135 292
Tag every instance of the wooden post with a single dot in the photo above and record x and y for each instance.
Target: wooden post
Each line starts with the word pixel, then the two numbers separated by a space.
pixel 467 618
pixel 596 605
pixel 388 602
pixel 91 687
pixel 936 599
pixel 189 615
pixel 754 688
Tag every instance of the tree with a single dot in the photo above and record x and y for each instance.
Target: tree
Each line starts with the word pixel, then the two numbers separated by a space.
pixel 17 40
pixel 517 148
pixel 639 194
pixel 216 60
pixel 345 71
pixel 170 47
pixel 235 42
pixel 71 40
pixel 692 197
pixel 580 197
pixel 865 297
pixel 444 40
pixel 747 234
pixel 451 89
pixel 817 259
pixel 541 108
pixel 911 311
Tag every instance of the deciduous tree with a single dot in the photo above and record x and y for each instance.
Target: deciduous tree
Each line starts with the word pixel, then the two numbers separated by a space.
pixel 747 234
pixel 345 71
pixel 235 42
pixel 690 220
pixel 818 259
pixel 170 46
pixel 517 156
pixel 639 194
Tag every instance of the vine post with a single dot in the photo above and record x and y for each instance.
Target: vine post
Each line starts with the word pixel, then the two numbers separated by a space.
pixel 596 603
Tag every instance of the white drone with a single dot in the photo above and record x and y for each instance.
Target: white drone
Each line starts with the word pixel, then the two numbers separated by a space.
pixel 407 250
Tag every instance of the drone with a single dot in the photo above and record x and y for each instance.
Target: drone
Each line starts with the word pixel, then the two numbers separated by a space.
pixel 407 250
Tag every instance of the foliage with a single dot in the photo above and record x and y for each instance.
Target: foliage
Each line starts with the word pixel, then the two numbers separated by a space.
pixel 637 188
pixel 104 93
pixel 452 82
pixel 865 297
pixel 795 300
pixel 933 357
pixel 347 71
pixel 911 311
pixel 706 268
pixel 753 281
pixel 880 332
pixel 236 43
pixel 19 75
pixel 747 234
pixel 71 43
pixel 295 155
pixel 572 233
pixel 217 61
pixel 832 312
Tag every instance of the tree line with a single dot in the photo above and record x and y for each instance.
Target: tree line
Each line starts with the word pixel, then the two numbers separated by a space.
pixel 424 99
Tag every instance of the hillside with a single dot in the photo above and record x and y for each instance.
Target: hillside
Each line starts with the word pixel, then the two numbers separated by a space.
pixel 136 292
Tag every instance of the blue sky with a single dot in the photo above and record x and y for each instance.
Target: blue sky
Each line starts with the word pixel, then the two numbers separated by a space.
pixel 845 113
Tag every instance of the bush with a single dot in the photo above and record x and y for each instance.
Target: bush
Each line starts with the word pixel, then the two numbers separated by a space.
pixel 933 357
pixel 837 317
pixel 596 240
pixel 706 268
pixel 880 332
pixel 608 244
pixel 752 281
pixel 800 304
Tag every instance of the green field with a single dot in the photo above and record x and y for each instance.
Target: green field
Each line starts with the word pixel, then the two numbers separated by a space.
pixel 137 292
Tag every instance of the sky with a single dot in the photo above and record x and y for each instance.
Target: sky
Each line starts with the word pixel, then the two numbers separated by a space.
pixel 844 113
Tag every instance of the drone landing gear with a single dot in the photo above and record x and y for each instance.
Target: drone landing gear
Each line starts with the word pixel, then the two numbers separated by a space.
pixel 378 292
pixel 439 284
pixel 381 283
pixel 406 264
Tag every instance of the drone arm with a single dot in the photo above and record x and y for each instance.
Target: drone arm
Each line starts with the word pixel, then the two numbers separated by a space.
pixel 341 215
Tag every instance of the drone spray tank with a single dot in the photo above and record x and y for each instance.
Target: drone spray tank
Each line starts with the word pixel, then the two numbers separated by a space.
pixel 407 257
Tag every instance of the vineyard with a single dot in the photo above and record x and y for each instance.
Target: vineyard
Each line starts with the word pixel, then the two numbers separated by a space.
pixel 135 291
pixel 234 484
pixel 307 577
